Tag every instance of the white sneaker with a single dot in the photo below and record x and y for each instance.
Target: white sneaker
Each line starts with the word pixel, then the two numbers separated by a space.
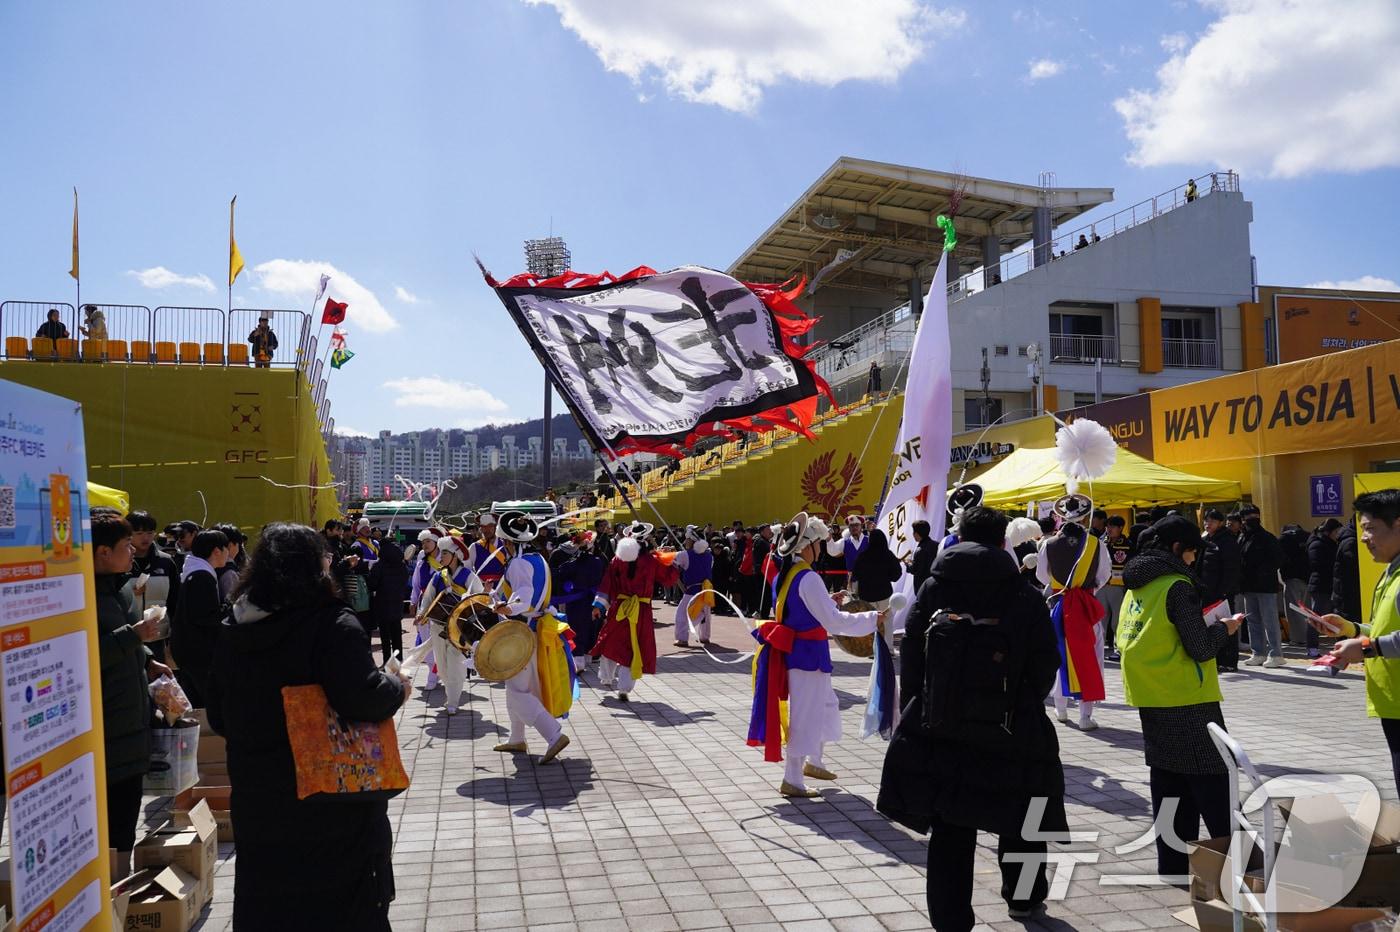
pixel 1275 662
pixel 1063 717
pixel 1087 724
pixel 1255 660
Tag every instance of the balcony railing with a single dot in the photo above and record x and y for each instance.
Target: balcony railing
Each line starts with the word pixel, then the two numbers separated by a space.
pixel 1081 348
pixel 849 355
pixel 1067 243
pixel 1190 354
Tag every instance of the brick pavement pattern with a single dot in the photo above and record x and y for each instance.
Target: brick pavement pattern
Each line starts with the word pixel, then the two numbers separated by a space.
pixel 658 816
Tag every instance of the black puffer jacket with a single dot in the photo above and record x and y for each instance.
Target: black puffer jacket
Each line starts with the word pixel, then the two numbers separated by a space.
pixel 1261 559
pixel 126 699
pixel 1346 576
pixel 966 783
pixel 1322 561
pixel 308 864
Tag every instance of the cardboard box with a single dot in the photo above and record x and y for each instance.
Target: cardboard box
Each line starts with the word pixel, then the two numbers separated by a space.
pixel 223 817
pixel 1216 916
pixel 213 749
pixel 193 847
pixel 164 899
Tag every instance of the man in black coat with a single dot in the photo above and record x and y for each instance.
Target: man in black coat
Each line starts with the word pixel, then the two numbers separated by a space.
pixel 126 667
pixel 924 552
pixel 955 779
pixel 194 630
pixel 1261 559
pixel 1346 576
pixel 1219 574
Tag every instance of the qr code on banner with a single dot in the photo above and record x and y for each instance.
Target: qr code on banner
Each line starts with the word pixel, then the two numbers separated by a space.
pixel 7 506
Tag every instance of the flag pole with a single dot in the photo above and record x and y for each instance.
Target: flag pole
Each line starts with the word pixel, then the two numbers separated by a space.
pixel 76 271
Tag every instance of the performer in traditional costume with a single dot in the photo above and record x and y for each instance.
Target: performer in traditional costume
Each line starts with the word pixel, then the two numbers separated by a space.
pixel 455 577
pixel 365 546
pixel 523 593
pixel 426 566
pixel 852 545
pixel 627 643
pixel 576 578
pixel 793 662
pixel 962 497
pixel 696 566
pixel 1072 565
pixel 483 555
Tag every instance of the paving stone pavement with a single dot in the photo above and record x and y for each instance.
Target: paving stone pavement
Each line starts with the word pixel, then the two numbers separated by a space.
pixel 658 817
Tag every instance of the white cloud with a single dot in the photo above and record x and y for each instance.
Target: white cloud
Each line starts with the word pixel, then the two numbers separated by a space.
pixel 351 432
pixel 404 295
pixel 297 280
pixel 728 52
pixel 475 404
pixel 1287 87
pixel 161 277
pixel 1364 283
pixel 1043 68
pixel 1175 43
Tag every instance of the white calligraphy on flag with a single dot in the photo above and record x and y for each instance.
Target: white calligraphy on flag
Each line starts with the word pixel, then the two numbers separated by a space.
pixel 650 357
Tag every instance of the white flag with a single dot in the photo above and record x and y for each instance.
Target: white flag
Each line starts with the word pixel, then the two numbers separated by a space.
pixel 325 280
pixel 920 486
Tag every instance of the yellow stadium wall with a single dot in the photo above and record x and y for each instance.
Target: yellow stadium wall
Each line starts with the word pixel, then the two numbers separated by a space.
pixel 798 476
pixel 165 434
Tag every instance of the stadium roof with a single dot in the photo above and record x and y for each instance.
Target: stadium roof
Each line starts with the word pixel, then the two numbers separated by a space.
pixel 877 219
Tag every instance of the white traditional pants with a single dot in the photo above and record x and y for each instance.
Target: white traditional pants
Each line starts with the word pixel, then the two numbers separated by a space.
pixel 814 718
pixel 1086 709
pixel 610 671
pixel 451 667
pixel 525 708
pixel 684 625
pixel 424 632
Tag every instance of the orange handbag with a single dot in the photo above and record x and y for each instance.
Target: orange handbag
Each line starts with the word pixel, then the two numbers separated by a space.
pixel 336 758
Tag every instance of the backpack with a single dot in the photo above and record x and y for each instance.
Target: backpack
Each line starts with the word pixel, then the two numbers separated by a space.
pixel 972 675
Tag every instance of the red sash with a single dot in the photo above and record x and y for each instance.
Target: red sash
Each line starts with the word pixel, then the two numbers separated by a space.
pixel 779 639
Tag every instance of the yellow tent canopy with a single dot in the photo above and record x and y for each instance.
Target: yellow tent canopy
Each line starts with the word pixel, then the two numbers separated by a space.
pixel 102 496
pixel 1033 475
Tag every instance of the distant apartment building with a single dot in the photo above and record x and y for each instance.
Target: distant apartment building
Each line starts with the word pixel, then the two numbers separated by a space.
pixel 367 464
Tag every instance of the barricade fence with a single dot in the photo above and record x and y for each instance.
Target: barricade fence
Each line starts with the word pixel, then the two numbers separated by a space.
pixel 192 333
pixel 287 329
pixel 23 320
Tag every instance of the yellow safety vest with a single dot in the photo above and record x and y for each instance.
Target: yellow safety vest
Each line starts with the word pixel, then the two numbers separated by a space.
pixel 1383 673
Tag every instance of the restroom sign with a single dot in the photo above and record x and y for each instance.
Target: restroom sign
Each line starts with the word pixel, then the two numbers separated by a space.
pixel 1326 494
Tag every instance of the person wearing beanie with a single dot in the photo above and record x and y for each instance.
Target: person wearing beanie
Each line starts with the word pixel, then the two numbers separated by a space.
pixel 1169 675
pixel 627 643
pixel 696 566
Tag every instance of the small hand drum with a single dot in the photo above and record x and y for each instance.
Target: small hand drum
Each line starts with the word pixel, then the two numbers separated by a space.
pixel 862 646
pixel 470 619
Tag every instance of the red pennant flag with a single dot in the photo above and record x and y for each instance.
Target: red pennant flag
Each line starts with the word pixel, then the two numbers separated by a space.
pixel 334 312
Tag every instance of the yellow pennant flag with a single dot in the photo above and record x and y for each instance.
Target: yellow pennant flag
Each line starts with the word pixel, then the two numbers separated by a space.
pixel 74 270
pixel 235 258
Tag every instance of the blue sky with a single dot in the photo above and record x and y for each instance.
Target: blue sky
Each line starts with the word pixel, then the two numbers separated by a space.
pixel 393 140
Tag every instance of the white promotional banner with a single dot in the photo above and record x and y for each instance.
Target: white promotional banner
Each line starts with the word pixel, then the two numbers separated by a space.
pixel 920 484
pixel 658 355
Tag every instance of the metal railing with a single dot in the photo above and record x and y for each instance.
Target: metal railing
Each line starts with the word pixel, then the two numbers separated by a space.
pixel 182 325
pixel 140 329
pixel 1063 244
pixel 1082 348
pixel 1190 354
pixel 848 356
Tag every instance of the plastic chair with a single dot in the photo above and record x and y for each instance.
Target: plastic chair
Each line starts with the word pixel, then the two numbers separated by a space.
pixel 237 354
pixel 16 348
pixel 165 352
pixel 94 350
pixel 141 351
pixel 66 349
pixel 213 354
pixel 189 353
pixel 116 351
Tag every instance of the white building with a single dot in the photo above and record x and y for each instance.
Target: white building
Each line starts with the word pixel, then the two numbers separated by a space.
pixel 1150 296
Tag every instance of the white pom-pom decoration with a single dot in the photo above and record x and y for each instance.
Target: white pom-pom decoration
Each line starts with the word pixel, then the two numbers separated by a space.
pixel 1085 450
pixel 1021 530
pixel 1030 561
pixel 836 548
pixel 898 601
pixel 628 549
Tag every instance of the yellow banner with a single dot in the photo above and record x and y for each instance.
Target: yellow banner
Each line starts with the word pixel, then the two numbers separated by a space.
pixel 55 771
pixel 1341 400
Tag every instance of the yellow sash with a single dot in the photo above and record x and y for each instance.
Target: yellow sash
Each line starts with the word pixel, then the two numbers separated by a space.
pixel 556 687
pixel 1081 565
pixel 629 609
pixel 702 600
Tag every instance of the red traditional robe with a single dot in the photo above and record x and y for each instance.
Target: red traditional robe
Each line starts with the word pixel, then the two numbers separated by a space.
pixel 639 578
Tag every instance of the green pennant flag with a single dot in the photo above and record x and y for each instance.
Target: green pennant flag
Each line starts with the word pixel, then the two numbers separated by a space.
pixel 340 357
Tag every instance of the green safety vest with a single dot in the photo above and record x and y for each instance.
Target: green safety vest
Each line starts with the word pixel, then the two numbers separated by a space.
pixel 1383 674
pixel 1157 671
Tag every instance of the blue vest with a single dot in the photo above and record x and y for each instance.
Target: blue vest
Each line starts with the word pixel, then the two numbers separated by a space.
pixel 486 565
pixel 854 550
pixel 697 570
pixel 806 655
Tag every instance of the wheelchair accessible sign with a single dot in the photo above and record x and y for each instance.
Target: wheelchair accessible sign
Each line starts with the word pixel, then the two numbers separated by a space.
pixel 1326 492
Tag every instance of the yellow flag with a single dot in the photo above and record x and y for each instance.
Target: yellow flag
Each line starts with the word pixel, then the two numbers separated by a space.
pixel 235 258
pixel 74 270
